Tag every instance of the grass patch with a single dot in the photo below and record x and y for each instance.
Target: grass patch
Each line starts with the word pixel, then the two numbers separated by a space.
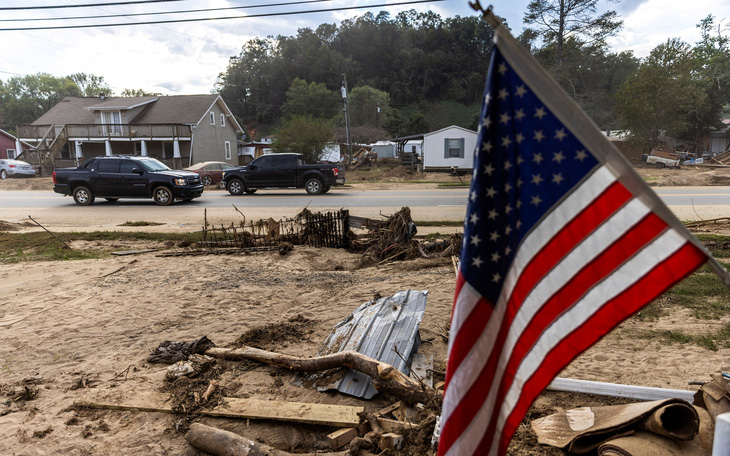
pixel 140 223
pixel 41 246
pixel 703 293
pixel 455 184
pixel 711 341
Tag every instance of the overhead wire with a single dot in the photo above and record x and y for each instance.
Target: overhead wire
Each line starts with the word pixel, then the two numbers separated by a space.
pixel 84 5
pixel 157 13
pixel 174 21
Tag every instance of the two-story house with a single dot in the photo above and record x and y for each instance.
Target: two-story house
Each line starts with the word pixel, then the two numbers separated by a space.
pixel 179 130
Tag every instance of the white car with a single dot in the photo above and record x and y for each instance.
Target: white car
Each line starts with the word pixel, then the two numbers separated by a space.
pixel 15 168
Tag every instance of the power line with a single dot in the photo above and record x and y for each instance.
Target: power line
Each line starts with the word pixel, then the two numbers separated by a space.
pixel 286 13
pixel 155 13
pixel 85 5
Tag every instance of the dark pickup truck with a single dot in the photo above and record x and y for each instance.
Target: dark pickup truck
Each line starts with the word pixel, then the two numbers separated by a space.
pixel 282 171
pixel 119 176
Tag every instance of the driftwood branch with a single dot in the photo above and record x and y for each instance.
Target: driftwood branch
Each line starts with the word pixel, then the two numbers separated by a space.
pixel 223 443
pixel 385 377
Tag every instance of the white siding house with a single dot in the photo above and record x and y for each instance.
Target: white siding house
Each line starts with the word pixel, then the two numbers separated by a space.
pixel 449 147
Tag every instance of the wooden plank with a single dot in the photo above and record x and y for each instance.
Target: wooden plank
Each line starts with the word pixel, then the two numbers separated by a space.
pixel 132 252
pixel 300 412
pixel 643 393
pixel 342 437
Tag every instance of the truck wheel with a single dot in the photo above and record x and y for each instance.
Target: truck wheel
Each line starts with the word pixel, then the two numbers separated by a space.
pixel 326 189
pixel 207 180
pixel 162 196
pixel 659 165
pixel 250 191
pixel 314 186
pixel 83 196
pixel 235 187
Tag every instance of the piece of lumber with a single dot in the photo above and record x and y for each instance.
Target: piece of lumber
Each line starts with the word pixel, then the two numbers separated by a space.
pixel 342 437
pixel 642 393
pixel 299 412
pixel 132 252
pixel 385 378
pixel 390 441
pixel 224 443
pixel 395 426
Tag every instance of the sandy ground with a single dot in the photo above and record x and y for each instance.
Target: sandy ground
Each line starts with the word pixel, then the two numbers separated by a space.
pixel 82 330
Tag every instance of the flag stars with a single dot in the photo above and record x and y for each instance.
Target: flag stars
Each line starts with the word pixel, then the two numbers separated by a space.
pixel 581 155
pixel 539 136
pixel 507 187
pixel 473 196
pixel 487 98
pixel 476 262
pixel 558 156
pixel 506 141
pixel 488 169
pixel 502 68
pixel 487 122
pixel 487 146
pixel 519 160
pixel 536 200
pixel 537 158
pixel 503 94
pixel 495 257
pixel 491 192
pixel 504 118
pixel 496 278
pixel 475 240
pixel 540 113
pixel 493 236
pixel 518 225
pixel 519 138
pixel 507 165
pixel 518 182
pixel 521 91
pixel 507 230
pixel 492 214
pixel 558 178
pixel 519 203
pixel 473 218
pixel 508 209
pixel 536 179
pixel 519 114
pixel 560 134
pixel 507 251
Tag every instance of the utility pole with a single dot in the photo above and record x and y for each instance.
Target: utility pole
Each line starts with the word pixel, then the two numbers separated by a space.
pixel 347 123
pixel 377 115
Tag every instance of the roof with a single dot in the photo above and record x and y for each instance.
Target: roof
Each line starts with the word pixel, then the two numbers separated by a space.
pixel 174 109
pixel 449 128
pixel 14 138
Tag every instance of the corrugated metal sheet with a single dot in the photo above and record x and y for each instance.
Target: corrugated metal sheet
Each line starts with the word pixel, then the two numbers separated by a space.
pixel 376 329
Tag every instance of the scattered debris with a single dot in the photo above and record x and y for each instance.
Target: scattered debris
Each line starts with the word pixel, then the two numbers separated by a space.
pixel 170 352
pixel 384 329
pixel 133 252
pixel 191 367
pixel 57 238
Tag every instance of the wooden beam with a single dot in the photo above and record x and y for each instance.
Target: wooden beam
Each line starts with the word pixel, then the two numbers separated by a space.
pixel 300 412
pixel 643 393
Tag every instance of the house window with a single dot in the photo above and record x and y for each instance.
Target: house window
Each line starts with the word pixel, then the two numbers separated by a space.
pixel 454 148
pixel 223 120
pixel 212 118
pixel 168 151
pixel 11 154
pixel 112 121
pixel 228 150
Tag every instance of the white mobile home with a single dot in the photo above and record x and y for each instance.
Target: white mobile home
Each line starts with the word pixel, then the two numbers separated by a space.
pixel 450 147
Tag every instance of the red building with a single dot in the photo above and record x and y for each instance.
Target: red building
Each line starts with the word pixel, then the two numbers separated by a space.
pixel 9 145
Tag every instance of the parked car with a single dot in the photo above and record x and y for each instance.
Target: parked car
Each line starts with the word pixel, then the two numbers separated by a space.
pixel 282 171
pixel 210 172
pixel 121 176
pixel 15 168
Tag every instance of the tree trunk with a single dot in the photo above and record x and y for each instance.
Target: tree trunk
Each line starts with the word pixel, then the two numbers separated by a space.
pixel 385 377
pixel 223 443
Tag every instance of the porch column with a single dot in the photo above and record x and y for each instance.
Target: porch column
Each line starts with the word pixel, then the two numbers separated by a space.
pixel 143 150
pixel 18 149
pixel 79 153
pixel 175 148
pixel 108 147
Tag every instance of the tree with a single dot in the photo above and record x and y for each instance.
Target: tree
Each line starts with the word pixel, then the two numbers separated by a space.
pixel 313 99
pixel 416 124
pixel 558 20
pixel 303 135
pixel 367 106
pixel 138 93
pixel 91 85
pixel 663 95
pixel 23 99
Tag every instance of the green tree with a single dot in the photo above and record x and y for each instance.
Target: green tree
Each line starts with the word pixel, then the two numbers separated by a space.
pixel 91 85
pixel 558 20
pixel 313 99
pixel 663 95
pixel 416 124
pixel 138 93
pixel 367 106
pixel 23 99
pixel 304 135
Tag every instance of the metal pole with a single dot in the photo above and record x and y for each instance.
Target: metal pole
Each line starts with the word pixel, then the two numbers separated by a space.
pixel 347 123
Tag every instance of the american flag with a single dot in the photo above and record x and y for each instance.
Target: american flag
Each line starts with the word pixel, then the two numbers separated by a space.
pixel 562 242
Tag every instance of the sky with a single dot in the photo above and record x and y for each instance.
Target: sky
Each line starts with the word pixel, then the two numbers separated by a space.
pixel 186 58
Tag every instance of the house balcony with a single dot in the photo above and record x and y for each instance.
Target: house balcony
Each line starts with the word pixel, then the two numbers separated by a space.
pixel 104 132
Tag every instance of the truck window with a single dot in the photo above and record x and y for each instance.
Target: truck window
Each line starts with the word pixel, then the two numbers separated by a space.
pixel 108 166
pixel 285 162
pixel 127 166
pixel 265 162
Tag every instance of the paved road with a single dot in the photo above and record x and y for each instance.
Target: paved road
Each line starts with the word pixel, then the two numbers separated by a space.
pixel 427 202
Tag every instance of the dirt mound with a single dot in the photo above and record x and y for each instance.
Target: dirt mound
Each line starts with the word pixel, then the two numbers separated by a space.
pixel 32 183
pixel 10 226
